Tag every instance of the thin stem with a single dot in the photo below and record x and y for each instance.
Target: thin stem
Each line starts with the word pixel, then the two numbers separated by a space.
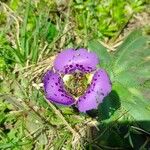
pixel 57 112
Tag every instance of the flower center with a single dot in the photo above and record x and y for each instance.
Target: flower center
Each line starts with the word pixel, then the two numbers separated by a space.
pixel 77 83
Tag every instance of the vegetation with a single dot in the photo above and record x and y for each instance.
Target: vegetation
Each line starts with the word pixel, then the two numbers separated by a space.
pixel 31 35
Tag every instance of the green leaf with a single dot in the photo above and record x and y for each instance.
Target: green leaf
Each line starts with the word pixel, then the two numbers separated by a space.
pixel 60 142
pixel 110 104
pixel 131 60
pixel 128 79
pixel 131 37
pixel 101 51
pixel 14 4
pixel 24 27
pixel 130 71
pixel 134 103
pixel 126 105
pixel 132 52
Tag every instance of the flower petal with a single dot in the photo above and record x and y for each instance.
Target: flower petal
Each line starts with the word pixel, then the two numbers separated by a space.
pixel 70 60
pixel 54 89
pixel 99 88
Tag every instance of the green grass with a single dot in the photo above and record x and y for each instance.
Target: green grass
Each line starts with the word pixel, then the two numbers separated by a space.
pixel 31 34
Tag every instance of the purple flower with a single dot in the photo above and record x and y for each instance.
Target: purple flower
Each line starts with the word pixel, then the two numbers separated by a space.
pixel 76 80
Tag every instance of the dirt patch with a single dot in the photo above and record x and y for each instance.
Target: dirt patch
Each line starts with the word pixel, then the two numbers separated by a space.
pixel 137 21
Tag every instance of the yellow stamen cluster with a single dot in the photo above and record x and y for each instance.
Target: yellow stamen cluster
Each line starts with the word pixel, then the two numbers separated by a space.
pixel 77 83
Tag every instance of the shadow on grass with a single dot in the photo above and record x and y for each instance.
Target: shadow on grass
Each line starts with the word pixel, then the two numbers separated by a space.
pixel 117 133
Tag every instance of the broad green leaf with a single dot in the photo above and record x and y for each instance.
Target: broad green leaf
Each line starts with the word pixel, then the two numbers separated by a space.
pixel 136 105
pixel 131 61
pixel 110 104
pixel 143 69
pixel 129 39
pixel 146 84
pixel 130 69
pixel 128 79
pixel 133 52
pixel 101 51
pixel 123 100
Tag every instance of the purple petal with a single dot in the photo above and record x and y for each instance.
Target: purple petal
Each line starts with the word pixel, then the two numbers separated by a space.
pixel 70 60
pixel 99 88
pixel 54 89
